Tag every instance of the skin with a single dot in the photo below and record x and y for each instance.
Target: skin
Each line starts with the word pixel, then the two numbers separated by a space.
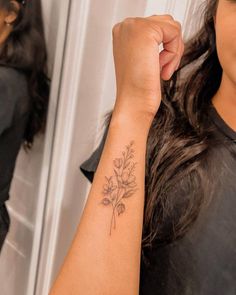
pixel 225 27
pixel 138 64
pixel 7 17
pixel 104 258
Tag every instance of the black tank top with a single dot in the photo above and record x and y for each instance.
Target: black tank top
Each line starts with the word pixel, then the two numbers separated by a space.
pixel 203 262
pixel 14 111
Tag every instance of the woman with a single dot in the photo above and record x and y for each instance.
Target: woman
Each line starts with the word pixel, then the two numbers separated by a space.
pixel 187 139
pixel 24 89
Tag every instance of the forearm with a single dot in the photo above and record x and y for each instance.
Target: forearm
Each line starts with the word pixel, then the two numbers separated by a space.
pixel 105 254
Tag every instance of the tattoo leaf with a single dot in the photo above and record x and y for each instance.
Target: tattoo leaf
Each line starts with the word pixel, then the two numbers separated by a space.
pixel 113 197
pixel 115 172
pixel 118 162
pixel 120 208
pixel 126 165
pixel 128 193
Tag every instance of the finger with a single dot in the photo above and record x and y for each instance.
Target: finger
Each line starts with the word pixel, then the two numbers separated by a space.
pixel 167 71
pixel 166 57
pixel 156 17
pixel 181 53
pixel 170 26
pixel 169 61
pixel 169 68
pixel 168 34
pixel 168 64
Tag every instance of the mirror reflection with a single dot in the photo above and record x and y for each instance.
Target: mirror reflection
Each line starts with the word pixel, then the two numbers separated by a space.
pixel 24 90
pixel 31 49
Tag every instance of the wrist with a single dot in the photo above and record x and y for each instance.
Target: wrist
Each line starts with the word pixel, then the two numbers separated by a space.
pixel 138 120
pixel 134 108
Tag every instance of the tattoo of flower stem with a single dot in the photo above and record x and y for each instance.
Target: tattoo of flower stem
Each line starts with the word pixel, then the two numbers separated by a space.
pixel 121 185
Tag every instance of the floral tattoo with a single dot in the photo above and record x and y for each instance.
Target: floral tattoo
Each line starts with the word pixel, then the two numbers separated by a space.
pixel 121 185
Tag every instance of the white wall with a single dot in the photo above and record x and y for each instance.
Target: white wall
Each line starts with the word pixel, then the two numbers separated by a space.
pixel 18 261
pixel 87 92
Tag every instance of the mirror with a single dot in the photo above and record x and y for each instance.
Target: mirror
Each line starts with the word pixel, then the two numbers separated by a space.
pixel 27 193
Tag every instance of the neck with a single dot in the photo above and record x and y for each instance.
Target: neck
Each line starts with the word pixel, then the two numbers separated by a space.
pixel 225 101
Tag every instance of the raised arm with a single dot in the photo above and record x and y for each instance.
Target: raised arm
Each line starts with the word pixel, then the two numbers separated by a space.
pixel 104 258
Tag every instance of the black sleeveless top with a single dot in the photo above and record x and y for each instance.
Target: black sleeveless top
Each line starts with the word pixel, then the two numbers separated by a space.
pixel 203 262
pixel 14 111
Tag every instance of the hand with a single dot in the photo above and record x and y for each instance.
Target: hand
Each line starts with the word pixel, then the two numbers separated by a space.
pixel 138 64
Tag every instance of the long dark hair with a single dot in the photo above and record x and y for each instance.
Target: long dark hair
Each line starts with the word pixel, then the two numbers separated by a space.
pixel 25 49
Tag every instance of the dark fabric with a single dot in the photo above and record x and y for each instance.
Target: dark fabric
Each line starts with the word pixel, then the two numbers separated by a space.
pixel 14 112
pixel 89 166
pixel 4 224
pixel 203 262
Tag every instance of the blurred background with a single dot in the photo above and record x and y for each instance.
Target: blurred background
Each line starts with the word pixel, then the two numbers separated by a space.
pixel 48 192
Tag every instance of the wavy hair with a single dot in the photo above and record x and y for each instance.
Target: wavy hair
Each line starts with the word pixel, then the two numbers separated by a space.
pixel 27 36
pixel 180 139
